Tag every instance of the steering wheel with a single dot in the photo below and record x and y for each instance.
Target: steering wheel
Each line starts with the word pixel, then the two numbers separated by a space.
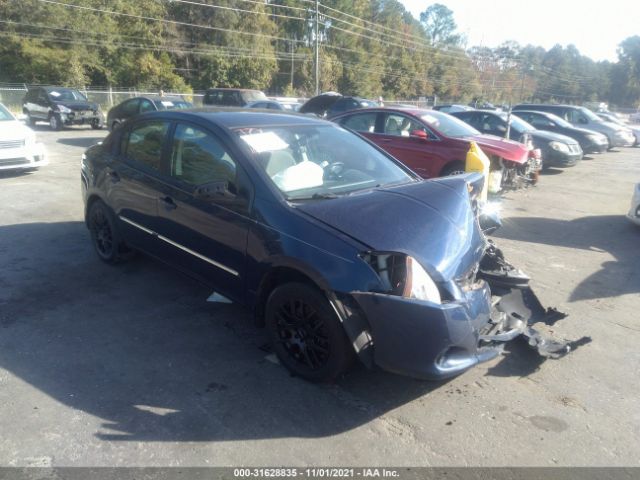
pixel 333 171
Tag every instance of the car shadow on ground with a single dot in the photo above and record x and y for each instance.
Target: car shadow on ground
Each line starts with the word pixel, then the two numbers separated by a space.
pixel 612 234
pixel 22 172
pixel 138 347
pixel 84 142
pixel 551 171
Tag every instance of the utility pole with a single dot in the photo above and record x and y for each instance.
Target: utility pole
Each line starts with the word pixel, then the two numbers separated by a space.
pixel 317 49
pixel 524 74
pixel 291 65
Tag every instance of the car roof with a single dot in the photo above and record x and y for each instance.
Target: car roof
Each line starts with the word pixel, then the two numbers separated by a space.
pixel 49 88
pixel 537 112
pixel 235 89
pixel 532 106
pixel 162 99
pixel 242 117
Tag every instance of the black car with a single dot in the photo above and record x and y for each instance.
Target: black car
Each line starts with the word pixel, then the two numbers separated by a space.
pixel 557 150
pixel 61 106
pixel 232 97
pixel 335 246
pixel 589 140
pixel 136 105
pixel 330 104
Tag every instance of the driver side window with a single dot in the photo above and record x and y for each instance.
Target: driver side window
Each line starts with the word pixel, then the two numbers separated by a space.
pixel 197 158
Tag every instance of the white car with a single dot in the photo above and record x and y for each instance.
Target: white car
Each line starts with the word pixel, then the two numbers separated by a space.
pixel 634 212
pixel 18 146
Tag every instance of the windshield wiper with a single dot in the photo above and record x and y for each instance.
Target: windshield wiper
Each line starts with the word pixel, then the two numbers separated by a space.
pixel 317 196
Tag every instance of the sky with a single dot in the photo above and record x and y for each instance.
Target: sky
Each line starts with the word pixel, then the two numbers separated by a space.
pixel 595 28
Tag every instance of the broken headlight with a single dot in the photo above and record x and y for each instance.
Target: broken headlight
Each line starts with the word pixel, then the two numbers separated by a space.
pixel 403 275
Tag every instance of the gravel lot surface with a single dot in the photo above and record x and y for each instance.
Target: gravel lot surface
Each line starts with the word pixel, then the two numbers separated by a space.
pixel 129 366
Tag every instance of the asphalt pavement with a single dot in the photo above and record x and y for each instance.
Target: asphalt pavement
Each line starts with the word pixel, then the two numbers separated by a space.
pixel 130 366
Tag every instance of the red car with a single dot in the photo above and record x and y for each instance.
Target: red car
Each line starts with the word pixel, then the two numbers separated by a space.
pixel 433 143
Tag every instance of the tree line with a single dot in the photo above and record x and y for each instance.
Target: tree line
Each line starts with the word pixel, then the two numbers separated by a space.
pixel 369 48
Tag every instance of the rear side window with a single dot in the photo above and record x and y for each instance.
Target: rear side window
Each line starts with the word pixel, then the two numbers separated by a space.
pixel 197 158
pixel 143 144
pixel 401 125
pixel 130 108
pixel 146 106
pixel 362 122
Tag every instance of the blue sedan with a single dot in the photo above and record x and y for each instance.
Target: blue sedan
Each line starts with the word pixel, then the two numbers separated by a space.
pixel 338 249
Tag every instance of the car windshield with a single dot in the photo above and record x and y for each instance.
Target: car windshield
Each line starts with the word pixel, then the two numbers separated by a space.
pixel 66 95
pixel 448 125
pixel 170 104
pixel 613 119
pixel 518 124
pixel 5 115
pixel 368 103
pixel 319 161
pixel 253 95
pixel 590 115
pixel 561 122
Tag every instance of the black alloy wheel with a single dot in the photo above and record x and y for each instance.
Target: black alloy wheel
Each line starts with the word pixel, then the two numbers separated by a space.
pixel 104 234
pixel 454 168
pixel 305 333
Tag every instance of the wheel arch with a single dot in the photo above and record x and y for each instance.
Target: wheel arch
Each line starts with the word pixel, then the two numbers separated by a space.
pixel 91 199
pixel 345 307
pixel 449 165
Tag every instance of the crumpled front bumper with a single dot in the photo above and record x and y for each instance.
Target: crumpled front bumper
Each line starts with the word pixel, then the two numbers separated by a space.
pixel 434 341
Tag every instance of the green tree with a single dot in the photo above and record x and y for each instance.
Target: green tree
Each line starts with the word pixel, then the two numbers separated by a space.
pixel 440 26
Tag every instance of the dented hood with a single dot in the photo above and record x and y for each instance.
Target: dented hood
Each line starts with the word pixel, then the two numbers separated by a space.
pixel 507 149
pixel 430 220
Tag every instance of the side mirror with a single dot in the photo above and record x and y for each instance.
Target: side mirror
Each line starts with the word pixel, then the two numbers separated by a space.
pixel 421 134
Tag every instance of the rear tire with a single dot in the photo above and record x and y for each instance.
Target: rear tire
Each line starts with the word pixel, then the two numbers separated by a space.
pixel 306 334
pixel 96 124
pixel 30 120
pixel 105 237
pixel 453 168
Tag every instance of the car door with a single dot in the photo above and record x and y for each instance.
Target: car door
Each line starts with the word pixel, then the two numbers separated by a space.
pixel 134 181
pixel 204 209
pixel 41 106
pixel 421 154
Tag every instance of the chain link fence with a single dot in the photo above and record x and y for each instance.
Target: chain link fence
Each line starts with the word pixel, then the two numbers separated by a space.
pixel 12 95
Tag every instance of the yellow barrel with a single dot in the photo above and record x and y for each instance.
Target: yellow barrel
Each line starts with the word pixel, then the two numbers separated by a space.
pixel 477 161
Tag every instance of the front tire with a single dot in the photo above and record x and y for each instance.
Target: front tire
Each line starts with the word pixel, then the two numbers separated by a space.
pixel 306 334
pixel 55 122
pixel 105 237
pixel 453 168
pixel 30 120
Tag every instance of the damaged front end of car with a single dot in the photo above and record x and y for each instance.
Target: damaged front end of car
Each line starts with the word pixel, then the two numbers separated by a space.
pixel 430 326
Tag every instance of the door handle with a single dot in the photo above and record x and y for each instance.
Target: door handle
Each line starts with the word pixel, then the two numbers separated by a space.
pixel 114 176
pixel 387 140
pixel 168 203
